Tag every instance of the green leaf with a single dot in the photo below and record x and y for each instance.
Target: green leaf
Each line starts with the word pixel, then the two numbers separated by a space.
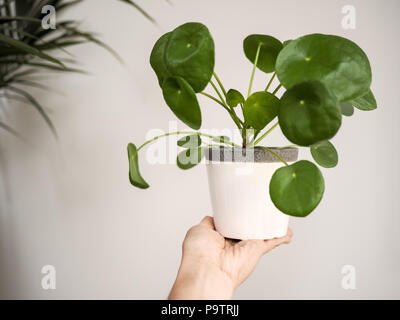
pixel 366 102
pixel 134 174
pixel 157 58
pixel 189 158
pixel 189 53
pixel 347 109
pixel 190 141
pixel 337 62
pixel 285 43
pixel 30 36
pixel 309 113
pixel 22 46
pixel 89 37
pixel 297 189
pixel 182 100
pixel 45 66
pixel 37 105
pixel 233 98
pixel 19 18
pixel 67 5
pixel 325 154
pixel 221 139
pixel 270 48
pixel 23 74
pixel 260 109
pixel 32 84
pixel 11 130
pixel 139 8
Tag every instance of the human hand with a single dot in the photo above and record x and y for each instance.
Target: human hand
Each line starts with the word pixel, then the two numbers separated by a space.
pixel 212 266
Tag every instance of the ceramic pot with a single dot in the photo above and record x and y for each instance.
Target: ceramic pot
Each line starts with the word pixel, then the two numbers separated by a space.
pixel 239 188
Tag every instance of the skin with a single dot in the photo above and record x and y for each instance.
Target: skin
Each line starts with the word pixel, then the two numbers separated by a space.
pixel 212 267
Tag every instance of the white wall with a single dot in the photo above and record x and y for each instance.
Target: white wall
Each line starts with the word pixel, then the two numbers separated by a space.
pixel 70 203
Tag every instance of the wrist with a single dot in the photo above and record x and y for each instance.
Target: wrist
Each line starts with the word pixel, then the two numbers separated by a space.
pixel 199 279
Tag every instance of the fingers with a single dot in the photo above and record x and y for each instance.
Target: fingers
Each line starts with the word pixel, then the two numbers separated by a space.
pixel 263 246
pixel 273 243
pixel 208 222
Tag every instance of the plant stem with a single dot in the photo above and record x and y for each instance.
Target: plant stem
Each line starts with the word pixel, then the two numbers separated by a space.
pixel 182 132
pixel 275 154
pixel 265 134
pixel 235 118
pixel 220 84
pixel 217 91
pixel 270 81
pixel 215 99
pixel 254 68
pixel 276 90
pixel 244 138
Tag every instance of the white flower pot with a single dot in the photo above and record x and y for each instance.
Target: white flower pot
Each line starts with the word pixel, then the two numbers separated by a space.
pixel 239 189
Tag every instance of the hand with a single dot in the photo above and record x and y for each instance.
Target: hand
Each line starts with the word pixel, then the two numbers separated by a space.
pixel 212 266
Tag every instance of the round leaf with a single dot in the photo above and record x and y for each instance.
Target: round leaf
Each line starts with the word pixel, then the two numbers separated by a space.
pixel 189 158
pixel 366 102
pixel 190 141
pixel 260 109
pixel 134 174
pixel 338 62
pixel 347 109
pixel 285 43
pixel 182 100
pixel 189 53
pixel 270 48
pixel 325 154
pixel 234 97
pixel 297 189
pixel 157 58
pixel 309 113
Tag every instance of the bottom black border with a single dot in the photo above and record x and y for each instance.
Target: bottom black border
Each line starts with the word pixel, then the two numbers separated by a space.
pixel 232 309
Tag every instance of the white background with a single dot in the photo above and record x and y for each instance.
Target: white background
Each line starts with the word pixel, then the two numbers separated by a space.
pixel 69 203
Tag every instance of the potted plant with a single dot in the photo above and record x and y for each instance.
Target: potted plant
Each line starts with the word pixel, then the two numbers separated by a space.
pixel 254 189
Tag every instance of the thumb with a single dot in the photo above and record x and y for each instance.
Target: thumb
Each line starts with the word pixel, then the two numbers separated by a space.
pixel 273 243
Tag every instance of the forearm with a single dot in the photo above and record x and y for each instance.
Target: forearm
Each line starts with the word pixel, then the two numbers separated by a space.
pixel 201 280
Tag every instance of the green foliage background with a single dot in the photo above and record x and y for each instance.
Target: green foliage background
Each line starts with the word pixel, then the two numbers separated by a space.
pixel 26 48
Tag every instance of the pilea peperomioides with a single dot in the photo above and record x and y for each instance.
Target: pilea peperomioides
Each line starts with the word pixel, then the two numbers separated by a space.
pixel 325 77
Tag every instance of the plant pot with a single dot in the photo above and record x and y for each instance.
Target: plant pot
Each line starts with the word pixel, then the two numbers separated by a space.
pixel 239 188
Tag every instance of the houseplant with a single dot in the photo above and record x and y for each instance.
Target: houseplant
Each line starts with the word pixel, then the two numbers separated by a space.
pixel 29 53
pixel 325 76
pixel 27 49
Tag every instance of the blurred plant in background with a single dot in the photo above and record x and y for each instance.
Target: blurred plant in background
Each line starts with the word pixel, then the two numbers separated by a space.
pixel 26 49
